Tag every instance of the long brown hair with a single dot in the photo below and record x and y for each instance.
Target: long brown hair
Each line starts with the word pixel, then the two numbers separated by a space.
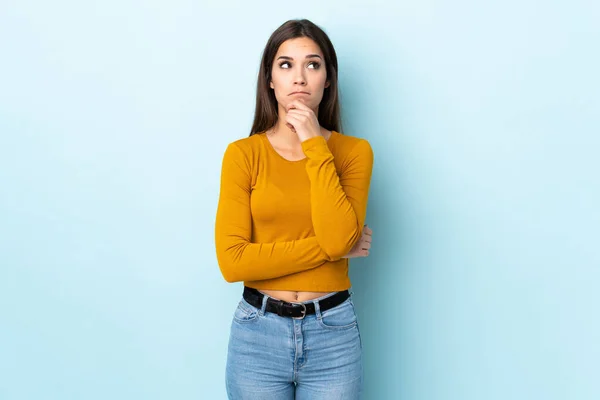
pixel 265 114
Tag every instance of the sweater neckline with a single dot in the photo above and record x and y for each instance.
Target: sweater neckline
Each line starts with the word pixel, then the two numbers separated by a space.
pixel 272 149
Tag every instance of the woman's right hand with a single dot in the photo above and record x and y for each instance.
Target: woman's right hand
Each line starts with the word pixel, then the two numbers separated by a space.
pixel 361 248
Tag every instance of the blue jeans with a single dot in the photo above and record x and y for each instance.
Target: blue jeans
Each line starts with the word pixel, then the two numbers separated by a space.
pixel 277 358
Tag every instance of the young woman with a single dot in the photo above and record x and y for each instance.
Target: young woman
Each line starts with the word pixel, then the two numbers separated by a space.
pixel 291 213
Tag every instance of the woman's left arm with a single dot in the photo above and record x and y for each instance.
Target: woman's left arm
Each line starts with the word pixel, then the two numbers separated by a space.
pixel 338 203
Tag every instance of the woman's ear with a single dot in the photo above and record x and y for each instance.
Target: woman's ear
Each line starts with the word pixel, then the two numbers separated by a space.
pixel 271 85
pixel 327 84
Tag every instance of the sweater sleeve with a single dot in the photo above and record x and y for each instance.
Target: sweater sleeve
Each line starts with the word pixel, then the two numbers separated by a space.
pixel 238 258
pixel 338 203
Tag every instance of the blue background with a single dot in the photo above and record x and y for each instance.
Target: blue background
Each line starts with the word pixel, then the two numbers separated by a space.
pixel 484 120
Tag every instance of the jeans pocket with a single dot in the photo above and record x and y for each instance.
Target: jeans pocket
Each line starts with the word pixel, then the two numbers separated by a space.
pixel 339 317
pixel 245 313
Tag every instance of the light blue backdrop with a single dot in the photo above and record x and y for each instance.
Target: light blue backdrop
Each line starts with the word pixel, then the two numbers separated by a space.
pixel 484 120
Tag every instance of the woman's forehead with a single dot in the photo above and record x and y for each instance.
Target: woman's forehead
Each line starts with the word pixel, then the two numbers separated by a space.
pixel 298 47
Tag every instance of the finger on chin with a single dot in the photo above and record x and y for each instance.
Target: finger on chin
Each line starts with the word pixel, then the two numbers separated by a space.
pixel 299 103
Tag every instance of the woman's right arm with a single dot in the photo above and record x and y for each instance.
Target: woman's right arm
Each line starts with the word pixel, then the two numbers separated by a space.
pixel 238 258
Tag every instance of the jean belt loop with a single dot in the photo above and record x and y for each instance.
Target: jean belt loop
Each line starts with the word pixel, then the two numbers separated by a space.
pixel 317 309
pixel 263 307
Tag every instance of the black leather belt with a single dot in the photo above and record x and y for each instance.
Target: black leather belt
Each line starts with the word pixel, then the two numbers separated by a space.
pixel 293 310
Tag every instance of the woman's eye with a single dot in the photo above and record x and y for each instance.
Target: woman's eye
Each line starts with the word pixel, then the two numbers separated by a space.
pixel 315 64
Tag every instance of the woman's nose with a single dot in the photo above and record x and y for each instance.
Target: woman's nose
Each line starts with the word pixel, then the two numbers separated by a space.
pixel 300 80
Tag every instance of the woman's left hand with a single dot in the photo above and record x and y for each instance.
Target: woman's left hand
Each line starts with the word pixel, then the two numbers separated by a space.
pixel 302 120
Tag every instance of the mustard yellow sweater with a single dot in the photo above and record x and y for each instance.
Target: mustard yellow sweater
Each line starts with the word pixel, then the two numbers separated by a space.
pixel 285 225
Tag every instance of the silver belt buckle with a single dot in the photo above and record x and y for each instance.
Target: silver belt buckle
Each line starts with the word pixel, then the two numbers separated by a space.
pixel 303 311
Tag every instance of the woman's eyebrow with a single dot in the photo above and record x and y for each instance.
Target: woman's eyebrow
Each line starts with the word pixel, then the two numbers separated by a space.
pixel 291 58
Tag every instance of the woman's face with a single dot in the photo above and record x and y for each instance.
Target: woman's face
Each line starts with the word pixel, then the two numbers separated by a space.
pixel 299 66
